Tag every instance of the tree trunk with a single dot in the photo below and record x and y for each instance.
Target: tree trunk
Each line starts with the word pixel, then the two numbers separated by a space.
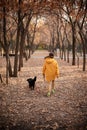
pixel 10 69
pixel 22 41
pixel 73 46
pixel 17 45
pixel 6 47
pixel 29 53
pixel 68 55
pixel 32 42
pixel 7 67
pixel 84 57
pixel 21 50
pixel 64 53
pixel 84 49
pixel 60 54
pixel 16 54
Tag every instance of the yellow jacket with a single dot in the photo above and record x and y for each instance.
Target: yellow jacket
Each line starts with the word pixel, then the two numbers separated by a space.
pixel 50 69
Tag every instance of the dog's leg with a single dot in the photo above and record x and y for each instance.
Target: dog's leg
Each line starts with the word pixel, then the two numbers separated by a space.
pixel 30 87
pixel 33 87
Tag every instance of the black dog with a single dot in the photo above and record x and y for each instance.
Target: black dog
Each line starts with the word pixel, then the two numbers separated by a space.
pixel 32 82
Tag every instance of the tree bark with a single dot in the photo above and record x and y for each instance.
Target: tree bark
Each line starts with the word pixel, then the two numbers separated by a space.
pixel 73 45
pixel 17 45
pixel 6 48
pixel 22 41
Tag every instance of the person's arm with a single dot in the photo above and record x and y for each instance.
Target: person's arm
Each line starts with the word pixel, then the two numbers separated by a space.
pixel 57 70
pixel 43 70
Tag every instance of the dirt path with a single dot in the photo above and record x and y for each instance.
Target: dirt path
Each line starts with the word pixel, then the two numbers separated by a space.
pixel 23 109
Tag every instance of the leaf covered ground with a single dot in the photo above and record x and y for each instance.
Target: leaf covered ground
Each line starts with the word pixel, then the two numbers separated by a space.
pixel 23 109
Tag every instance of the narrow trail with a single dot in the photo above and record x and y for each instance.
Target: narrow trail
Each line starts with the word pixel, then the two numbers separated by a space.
pixel 23 109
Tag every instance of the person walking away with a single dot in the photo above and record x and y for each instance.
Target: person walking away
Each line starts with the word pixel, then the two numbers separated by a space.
pixel 50 72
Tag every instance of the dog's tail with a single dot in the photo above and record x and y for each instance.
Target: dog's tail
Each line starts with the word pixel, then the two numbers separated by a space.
pixel 35 78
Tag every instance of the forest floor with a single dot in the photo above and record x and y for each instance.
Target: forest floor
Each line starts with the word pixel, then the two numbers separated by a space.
pixel 23 109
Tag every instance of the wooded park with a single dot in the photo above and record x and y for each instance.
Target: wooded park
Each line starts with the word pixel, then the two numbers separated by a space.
pixel 29 30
